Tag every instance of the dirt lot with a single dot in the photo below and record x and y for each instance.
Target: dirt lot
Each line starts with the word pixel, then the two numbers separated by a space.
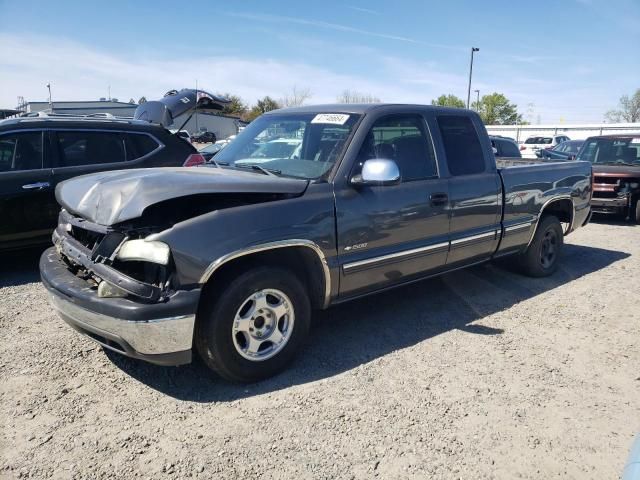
pixel 480 374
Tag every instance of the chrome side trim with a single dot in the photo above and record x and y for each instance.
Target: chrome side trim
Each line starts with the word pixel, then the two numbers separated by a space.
pixel 149 337
pixel 545 205
pixel 474 237
pixel 272 246
pixel 519 226
pixel 398 255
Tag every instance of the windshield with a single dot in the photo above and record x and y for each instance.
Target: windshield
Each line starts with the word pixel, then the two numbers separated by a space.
pixel 611 151
pixel 304 145
pixel 538 140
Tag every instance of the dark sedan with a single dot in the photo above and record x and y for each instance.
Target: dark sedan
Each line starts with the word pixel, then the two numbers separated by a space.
pixel 563 151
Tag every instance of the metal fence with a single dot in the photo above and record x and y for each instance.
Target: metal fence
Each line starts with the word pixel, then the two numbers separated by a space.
pixel 576 132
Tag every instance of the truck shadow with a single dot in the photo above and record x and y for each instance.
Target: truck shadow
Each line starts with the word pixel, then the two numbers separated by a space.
pixel 20 267
pixel 349 335
pixel 617 220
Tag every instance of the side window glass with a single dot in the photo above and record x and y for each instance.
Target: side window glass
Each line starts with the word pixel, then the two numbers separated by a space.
pixel 139 145
pixel 21 151
pixel 461 144
pixel 78 148
pixel 404 139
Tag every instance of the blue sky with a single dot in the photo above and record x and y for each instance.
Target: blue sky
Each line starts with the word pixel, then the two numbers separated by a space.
pixel 564 60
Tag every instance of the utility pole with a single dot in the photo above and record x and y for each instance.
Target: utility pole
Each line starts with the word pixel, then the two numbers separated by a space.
pixel 473 49
pixel 196 107
pixel 477 100
pixel 50 101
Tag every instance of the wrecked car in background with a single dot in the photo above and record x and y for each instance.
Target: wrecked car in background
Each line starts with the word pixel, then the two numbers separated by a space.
pixel 230 260
pixel 616 171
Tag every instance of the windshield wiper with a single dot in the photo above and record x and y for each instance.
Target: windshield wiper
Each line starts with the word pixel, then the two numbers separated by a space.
pixel 267 171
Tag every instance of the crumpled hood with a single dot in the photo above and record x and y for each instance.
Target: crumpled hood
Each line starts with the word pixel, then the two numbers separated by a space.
pixel 112 197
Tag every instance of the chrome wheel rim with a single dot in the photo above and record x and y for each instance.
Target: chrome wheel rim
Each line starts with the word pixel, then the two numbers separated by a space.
pixel 263 325
pixel 549 249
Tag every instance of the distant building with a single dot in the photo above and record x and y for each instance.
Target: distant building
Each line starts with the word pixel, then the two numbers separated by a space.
pixel 113 106
pixel 222 125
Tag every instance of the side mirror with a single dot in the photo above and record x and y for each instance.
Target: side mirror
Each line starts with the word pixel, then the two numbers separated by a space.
pixel 378 171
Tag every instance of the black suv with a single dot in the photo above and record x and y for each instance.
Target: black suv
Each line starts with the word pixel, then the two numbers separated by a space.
pixel 37 153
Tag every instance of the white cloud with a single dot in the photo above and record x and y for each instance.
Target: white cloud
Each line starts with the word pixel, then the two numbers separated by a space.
pixel 79 72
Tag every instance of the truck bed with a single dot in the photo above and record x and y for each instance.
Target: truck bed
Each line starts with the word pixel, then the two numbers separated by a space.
pixel 529 184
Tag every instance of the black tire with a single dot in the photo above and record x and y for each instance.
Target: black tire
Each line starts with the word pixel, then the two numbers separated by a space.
pixel 637 211
pixel 541 258
pixel 214 337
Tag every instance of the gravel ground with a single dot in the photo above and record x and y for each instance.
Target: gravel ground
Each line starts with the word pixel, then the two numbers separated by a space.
pixel 479 374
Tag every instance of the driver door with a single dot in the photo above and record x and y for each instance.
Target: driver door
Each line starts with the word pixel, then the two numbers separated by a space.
pixel 391 234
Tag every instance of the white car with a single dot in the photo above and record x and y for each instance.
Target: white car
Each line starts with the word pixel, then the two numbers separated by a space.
pixel 539 142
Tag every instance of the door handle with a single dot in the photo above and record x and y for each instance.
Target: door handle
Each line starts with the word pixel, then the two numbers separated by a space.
pixel 36 186
pixel 438 199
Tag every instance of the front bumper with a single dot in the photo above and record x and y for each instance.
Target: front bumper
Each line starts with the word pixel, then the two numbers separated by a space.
pixel 160 333
pixel 609 205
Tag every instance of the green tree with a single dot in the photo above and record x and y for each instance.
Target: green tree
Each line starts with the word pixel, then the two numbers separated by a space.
pixel 496 109
pixel 142 100
pixel 448 101
pixel 628 111
pixel 236 108
pixel 264 105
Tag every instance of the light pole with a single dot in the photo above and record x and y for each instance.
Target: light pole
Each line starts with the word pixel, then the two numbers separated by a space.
pixel 50 101
pixel 473 49
pixel 477 100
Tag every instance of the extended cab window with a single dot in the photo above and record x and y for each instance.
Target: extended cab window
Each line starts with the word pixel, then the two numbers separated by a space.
pixel 21 151
pixel 404 139
pixel 461 144
pixel 77 148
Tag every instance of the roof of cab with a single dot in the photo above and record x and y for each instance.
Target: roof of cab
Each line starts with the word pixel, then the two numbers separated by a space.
pixel 361 108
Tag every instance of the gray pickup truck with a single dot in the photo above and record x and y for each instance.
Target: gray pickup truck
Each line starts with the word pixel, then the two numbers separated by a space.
pixel 308 207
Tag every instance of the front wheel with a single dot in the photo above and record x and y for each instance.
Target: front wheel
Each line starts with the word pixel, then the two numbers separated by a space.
pixel 253 328
pixel 637 209
pixel 540 259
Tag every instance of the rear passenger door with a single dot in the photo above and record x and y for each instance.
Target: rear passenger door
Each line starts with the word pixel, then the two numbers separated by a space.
pixel 474 189
pixel 25 188
pixel 84 151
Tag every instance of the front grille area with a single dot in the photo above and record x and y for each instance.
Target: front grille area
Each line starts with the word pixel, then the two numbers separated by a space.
pixel 606 180
pixel 605 195
pixel 87 238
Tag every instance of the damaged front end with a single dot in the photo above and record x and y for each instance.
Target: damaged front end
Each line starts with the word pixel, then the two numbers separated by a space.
pixel 115 262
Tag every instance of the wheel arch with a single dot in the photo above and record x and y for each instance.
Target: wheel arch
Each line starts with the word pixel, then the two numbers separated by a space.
pixel 562 207
pixel 303 257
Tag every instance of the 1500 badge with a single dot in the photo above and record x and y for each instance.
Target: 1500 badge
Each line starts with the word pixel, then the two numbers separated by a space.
pixel 357 246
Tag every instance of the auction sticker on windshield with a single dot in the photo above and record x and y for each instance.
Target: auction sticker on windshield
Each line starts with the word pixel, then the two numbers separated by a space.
pixel 332 118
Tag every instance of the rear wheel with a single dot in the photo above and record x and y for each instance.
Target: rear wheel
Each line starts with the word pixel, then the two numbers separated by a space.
pixel 637 209
pixel 252 329
pixel 540 259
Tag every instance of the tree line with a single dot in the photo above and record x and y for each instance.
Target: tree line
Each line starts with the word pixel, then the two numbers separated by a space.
pixel 494 108
pixel 296 97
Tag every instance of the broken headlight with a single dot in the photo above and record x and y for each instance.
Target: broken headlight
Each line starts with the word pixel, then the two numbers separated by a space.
pixel 144 251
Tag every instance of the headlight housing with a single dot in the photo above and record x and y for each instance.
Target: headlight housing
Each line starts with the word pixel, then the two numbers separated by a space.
pixel 145 251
